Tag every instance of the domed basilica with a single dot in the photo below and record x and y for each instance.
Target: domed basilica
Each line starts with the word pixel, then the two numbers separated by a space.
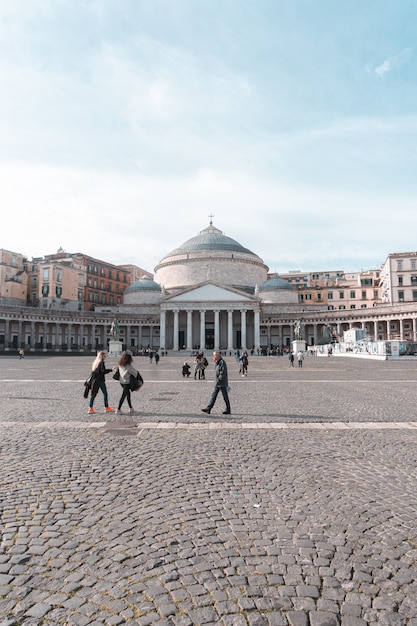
pixel 211 292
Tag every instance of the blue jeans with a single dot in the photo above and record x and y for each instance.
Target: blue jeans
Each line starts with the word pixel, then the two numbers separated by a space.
pixel 102 386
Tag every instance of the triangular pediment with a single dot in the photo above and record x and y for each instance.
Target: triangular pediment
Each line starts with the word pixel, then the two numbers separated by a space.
pixel 211 292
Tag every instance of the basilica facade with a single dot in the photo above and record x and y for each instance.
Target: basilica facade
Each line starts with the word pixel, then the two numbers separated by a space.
pixel 209 293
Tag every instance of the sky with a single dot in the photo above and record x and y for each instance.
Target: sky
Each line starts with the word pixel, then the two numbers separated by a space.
pixel 125 124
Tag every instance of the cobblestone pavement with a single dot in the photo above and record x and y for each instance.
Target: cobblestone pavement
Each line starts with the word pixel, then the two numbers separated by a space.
pixel 299 509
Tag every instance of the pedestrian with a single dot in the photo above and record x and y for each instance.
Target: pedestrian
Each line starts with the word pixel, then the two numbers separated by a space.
pixel 300 357
pixel 198 369
pixel 204 364
pixel 99 371
pixel 186 370
pixel 156 358
pixel 221 383
pixel 291 359
pixel 21 353
pixel 126 371
pixel 245 362
pixel 151 355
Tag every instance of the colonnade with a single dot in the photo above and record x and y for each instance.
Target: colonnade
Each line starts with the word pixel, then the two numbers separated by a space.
pixel 203 328
pixel 178 328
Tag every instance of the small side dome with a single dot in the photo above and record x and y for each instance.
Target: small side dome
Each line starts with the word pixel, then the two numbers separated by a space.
pixel 274 283
pixel 144 284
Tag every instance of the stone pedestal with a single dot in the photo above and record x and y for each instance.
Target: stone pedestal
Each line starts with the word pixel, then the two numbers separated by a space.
pixel 115 348
pixel 297 345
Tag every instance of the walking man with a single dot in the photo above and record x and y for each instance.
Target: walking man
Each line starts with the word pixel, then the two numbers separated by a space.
pixel 221 383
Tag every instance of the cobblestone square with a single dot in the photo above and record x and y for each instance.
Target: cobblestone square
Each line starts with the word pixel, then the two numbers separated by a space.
pixel 298 509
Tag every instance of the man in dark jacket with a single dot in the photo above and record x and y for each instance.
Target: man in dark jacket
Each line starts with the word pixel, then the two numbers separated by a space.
pixel 221 383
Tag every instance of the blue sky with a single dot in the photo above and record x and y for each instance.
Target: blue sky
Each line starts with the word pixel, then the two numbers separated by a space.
pixel 125 123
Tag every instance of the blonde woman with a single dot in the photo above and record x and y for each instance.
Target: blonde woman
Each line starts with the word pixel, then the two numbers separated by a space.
pixel 99 370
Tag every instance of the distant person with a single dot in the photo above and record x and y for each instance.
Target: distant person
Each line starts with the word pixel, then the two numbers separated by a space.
pixel 300 357
pixel 198 366
pixel 221 383
pixel 186 370
pixel 99 371
pixel 126 370
pixel 151 356
pixel 291 359
pixel 21 353
pixel 156 358
pixel 245 362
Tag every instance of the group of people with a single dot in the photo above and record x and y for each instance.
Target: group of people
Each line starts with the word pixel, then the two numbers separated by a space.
pixel 126 372
pixel 300 358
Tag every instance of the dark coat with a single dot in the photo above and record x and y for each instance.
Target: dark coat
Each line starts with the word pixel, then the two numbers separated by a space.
pixel 220 374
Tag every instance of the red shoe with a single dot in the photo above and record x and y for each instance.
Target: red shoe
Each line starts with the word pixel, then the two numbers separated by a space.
pixel 91 410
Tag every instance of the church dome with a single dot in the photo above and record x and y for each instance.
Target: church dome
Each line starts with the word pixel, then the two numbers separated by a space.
pixel 209 239
pixel 143 284
pixel 277 290
pixel 213 256
pixel 275 282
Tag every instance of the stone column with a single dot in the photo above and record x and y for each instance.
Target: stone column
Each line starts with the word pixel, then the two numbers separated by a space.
pixel 93 336
pixel 216 330
pixel 162 331
pixel 57 332
pixel 69 330
pixel 7 334
pixel 202 330
pixel 151 336
pixel 128 336
pixel 257 330
pixel 81 337
pixel 189 330
pixel 414 328
pixel 45 336
pixel 176 330
pixel 140 338
pixel 32 335
pixel 375 330
pixel 243 328
pixel 229 330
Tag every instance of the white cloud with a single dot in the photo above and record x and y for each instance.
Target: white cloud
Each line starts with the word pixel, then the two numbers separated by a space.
pixel 393 63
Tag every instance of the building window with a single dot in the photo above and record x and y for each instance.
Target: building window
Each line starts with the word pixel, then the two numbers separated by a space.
pixel 353 294
pixel 413 265
pixel 414 280
pixel 401 296
pixel 110 274
pixel 308 296
pixel 342 306
pixel 58 291
pixel 46 273
pixel 375 294
pixel 103 298
pixel 45 290
pixel 399 266
pixel 341 295
pixel 319 297
pixel 330 295
pixel 300 297
pixel 363 306
pixel 353 306
pixel 58 276
pixel 414 296
pixel 364 295
pixel 400 280
pixel 330 307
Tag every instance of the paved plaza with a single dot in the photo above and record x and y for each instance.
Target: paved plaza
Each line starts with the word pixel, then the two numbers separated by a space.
pixel 298 509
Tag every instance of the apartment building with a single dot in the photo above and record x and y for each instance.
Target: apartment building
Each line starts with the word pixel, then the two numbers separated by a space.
pixel 399 278
pixel 336 289
pixel 13 278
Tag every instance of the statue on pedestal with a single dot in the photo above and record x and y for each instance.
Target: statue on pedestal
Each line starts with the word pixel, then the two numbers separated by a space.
pixel 298 329
pixel 114 330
